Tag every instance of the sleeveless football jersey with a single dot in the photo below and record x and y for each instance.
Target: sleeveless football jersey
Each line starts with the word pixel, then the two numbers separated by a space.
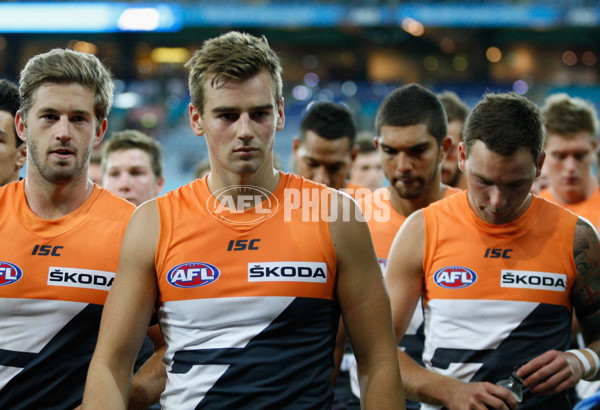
pixel 496 296
pixel 588 208
pixel 384 223
pixel 54 279
pixel 247 299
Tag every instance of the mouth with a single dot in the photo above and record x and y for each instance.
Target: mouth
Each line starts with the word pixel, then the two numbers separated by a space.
pixel 63 153
pixel 246 149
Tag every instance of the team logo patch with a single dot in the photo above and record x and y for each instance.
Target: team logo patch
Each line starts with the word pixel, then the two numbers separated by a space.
pixel 9 273
pixel 287 272
pixel 80 278
pixel 455 277
pixel 192 275
pixel 533 280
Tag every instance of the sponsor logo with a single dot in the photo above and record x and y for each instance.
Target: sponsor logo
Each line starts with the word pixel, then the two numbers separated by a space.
pixel 45 250
pixel 533 280
pixel 287 272
pixel 9 273
pixel 455 277
pixel 243 244
pixel 242 205
pixel 192 275
pixel 497 253
pixel 80 278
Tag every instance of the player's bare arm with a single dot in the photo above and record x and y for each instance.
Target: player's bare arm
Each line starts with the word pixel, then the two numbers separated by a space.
pixel 555 371
pixel 365 307
pixel 149 381
pixel 126 315
pixel 404 279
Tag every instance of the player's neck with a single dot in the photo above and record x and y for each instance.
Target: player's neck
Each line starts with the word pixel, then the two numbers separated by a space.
pixel 265 178
pixel 52 201
pixel 406 206
pixel 575 195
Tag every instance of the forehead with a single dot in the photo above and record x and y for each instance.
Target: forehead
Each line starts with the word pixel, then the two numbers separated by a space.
pixel 367 158
pixel 69 97
pixel 405 137
pixel 130 157
pixel 316 146
pixel 498 168
pixel 579 141
pixel 455 131
pixel 257 90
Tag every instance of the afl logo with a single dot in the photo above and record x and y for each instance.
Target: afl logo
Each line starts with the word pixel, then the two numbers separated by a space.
pixel 9 273
pixel 192 275
pixel 455 277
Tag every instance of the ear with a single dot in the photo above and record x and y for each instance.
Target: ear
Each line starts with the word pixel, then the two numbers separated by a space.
pixel 376 141
pixel 295 145
pixel 462 156
pixel 196 120
pixel 540 164
pixel 280 116
pixel 354 152
pixel 445 147
pixel 100 132
pixel 160 183
pixel 20 126
pixel 21 156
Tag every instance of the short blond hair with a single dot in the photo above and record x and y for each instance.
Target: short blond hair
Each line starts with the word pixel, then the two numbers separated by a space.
pixel 233 56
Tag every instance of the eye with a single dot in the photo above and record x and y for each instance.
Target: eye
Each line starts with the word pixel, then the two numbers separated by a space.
pixel 258 115
pixel 228 116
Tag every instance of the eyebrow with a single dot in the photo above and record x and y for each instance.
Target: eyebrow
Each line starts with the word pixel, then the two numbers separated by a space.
pixel 51 110
pixel 420 145
pixel 493 183
pixel 230 109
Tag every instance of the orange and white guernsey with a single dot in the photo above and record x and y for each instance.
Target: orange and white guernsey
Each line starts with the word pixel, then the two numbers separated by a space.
pixel 496 296
pixel 384 223
pixel 54 279
pixel 588 208
pixel 247 306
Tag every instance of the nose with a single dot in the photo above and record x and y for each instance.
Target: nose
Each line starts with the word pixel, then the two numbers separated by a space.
pixel 570 163
pixel 404 164
pixel 62 131
pixel 244 130
pixel 321 175
pixel 496 199
pixel 124 182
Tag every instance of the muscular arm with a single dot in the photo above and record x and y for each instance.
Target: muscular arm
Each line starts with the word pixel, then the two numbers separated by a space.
pixel 365 308
pixel 404 279
pixel 555 371
pixel 126 314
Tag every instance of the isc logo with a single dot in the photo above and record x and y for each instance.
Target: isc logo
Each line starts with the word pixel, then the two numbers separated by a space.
pixel 192 275
pixel 455 277
pixel 9 273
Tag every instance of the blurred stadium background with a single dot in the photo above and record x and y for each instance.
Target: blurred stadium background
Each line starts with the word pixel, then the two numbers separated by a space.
pixel 353 52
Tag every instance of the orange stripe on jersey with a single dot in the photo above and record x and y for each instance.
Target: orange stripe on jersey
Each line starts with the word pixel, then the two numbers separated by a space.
pixel 73 258
pixel 530 259
pixel 588 208
pixel 208 251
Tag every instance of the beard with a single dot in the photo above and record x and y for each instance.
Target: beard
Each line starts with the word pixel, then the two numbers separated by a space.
pixel 60 171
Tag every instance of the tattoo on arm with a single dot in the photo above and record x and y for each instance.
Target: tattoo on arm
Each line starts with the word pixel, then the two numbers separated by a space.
pixel 585 295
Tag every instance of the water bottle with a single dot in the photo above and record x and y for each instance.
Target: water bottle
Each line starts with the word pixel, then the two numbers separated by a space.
pixel 515 384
